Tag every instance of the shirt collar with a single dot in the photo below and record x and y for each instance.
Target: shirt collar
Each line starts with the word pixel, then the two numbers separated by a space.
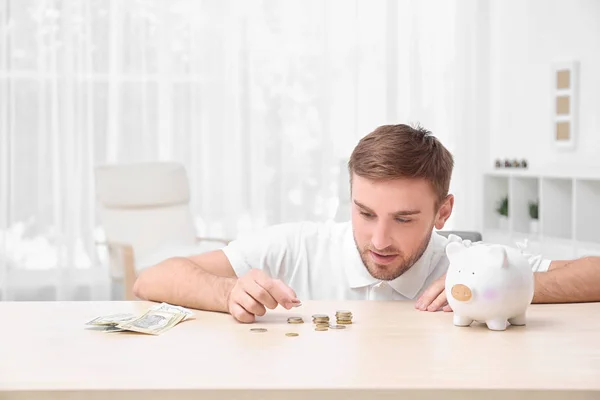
pixel 409 283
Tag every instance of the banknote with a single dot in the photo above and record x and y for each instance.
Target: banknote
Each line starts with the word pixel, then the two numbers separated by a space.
pixel 104 328
pixel 173 309
pixel 111 320
pixel 153 322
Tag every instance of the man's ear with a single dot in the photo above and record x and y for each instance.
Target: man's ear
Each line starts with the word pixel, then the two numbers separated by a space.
pixel 444 212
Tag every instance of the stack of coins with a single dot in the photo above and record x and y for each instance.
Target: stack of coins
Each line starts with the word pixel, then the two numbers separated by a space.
pixel 295 320
pixel 321 321
pixel 343 317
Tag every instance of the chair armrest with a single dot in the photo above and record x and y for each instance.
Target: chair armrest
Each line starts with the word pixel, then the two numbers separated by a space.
pixel 210 239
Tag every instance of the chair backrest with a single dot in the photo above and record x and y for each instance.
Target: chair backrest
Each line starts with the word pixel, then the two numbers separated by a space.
pixel 465 235
pixel 145 205
pixel 344 209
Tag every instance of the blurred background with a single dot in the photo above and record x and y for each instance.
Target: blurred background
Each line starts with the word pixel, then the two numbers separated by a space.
pixel 237 114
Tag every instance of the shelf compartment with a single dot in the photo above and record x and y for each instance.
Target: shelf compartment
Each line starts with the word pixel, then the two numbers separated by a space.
pixel 495 188
pixel 522 192
pixel 587 210
pixel 556 208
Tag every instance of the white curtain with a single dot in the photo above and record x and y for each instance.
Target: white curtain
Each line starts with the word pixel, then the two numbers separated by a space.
pixel 262 101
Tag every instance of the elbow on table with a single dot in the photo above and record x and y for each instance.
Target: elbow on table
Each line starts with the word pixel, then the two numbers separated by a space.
pixel 150 279
pixel 139 286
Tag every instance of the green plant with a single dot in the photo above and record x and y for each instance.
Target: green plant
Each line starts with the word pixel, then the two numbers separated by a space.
pixel 534 209
pixel 502 208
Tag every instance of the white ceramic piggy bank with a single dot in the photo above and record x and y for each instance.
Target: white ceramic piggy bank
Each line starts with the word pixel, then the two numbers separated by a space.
pixel 491 284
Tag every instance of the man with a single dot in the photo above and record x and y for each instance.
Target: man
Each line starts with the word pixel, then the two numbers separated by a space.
pixel 400 177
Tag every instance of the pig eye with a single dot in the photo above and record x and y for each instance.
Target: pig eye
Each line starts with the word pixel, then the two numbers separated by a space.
pixel 473 273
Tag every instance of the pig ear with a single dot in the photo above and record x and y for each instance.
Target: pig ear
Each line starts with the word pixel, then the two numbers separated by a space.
pixel 452 249
pixel 499 256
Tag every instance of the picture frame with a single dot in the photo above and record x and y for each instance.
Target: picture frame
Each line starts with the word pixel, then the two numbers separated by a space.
pixel 565 104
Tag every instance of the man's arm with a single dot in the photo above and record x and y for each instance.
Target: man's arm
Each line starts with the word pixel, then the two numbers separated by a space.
pixel 575 281
pixel 202 282
pixel 208 282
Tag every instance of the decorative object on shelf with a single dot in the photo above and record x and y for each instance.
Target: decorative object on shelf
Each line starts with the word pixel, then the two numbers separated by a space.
pixel 498 294
pixel 510 164
pixel 534 226
pixel 565 80
pixel 502 211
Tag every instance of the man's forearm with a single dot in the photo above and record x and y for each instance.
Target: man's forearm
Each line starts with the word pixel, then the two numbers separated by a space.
pixel 575 282
pixel 179 281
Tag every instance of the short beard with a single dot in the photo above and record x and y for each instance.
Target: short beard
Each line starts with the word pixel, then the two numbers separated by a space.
pixel 382 272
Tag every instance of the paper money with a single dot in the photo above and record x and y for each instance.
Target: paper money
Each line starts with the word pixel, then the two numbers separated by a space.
pixel 104 328
pixel 156 320
pixel 153 322
pixel 111 320
pixel 173 309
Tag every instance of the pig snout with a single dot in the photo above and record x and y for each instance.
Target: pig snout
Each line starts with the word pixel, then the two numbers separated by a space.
pixel 461 292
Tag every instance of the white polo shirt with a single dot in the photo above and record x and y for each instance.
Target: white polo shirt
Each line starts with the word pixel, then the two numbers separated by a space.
pixel 320 261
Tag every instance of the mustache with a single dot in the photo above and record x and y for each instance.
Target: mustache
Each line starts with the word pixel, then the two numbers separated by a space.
pixel 388 251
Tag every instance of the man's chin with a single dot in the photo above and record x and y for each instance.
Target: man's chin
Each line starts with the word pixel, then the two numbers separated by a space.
pixel 385 272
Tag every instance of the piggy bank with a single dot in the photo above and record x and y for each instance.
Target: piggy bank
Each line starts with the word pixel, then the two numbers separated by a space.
pixel 491 284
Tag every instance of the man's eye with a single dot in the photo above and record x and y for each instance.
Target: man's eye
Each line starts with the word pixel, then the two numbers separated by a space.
pixel 366 215
pixel 402 220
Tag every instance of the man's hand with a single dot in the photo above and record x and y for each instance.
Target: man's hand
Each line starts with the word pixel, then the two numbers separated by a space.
pixel 434 297
pixel 254 292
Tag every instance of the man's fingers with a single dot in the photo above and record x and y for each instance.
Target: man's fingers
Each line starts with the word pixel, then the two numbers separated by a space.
pixel 287 290
pixel 438 303
pixel 282 293
pixel 239 313
pixel 431 293
pixel 261 295
pixel 251 305
pixel 447 308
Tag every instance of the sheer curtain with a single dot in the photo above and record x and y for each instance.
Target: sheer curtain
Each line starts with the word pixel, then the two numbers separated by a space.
pixel 262 101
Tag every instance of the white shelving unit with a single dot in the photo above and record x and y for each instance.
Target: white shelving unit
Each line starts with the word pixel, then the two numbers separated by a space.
pixel 569 211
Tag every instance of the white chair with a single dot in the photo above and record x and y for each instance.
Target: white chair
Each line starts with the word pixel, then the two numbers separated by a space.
pixel 144 211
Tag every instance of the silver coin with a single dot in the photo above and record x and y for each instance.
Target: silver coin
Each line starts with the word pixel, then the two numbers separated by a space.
pixel 337 327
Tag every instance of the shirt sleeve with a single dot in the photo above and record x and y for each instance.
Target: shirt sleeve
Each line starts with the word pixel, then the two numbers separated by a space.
pixel 271 249
pixel 538 263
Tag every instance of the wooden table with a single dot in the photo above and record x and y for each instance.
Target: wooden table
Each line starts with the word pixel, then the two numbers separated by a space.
pixel 391 350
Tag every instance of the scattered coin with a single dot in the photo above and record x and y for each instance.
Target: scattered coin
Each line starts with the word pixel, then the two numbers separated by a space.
pixel 259 330
pixel 291 334
pixel 337 327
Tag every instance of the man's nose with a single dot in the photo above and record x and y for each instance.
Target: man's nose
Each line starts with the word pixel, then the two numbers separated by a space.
pixel 381 237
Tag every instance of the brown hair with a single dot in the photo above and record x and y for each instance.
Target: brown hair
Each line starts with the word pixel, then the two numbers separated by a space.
pixel 401 151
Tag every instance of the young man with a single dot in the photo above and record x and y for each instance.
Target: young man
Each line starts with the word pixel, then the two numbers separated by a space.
pixel 400 177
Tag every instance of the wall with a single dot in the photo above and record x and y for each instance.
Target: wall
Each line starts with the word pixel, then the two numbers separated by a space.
pixel 526 38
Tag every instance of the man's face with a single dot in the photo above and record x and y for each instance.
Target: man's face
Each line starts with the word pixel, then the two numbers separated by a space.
pixel 393 221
